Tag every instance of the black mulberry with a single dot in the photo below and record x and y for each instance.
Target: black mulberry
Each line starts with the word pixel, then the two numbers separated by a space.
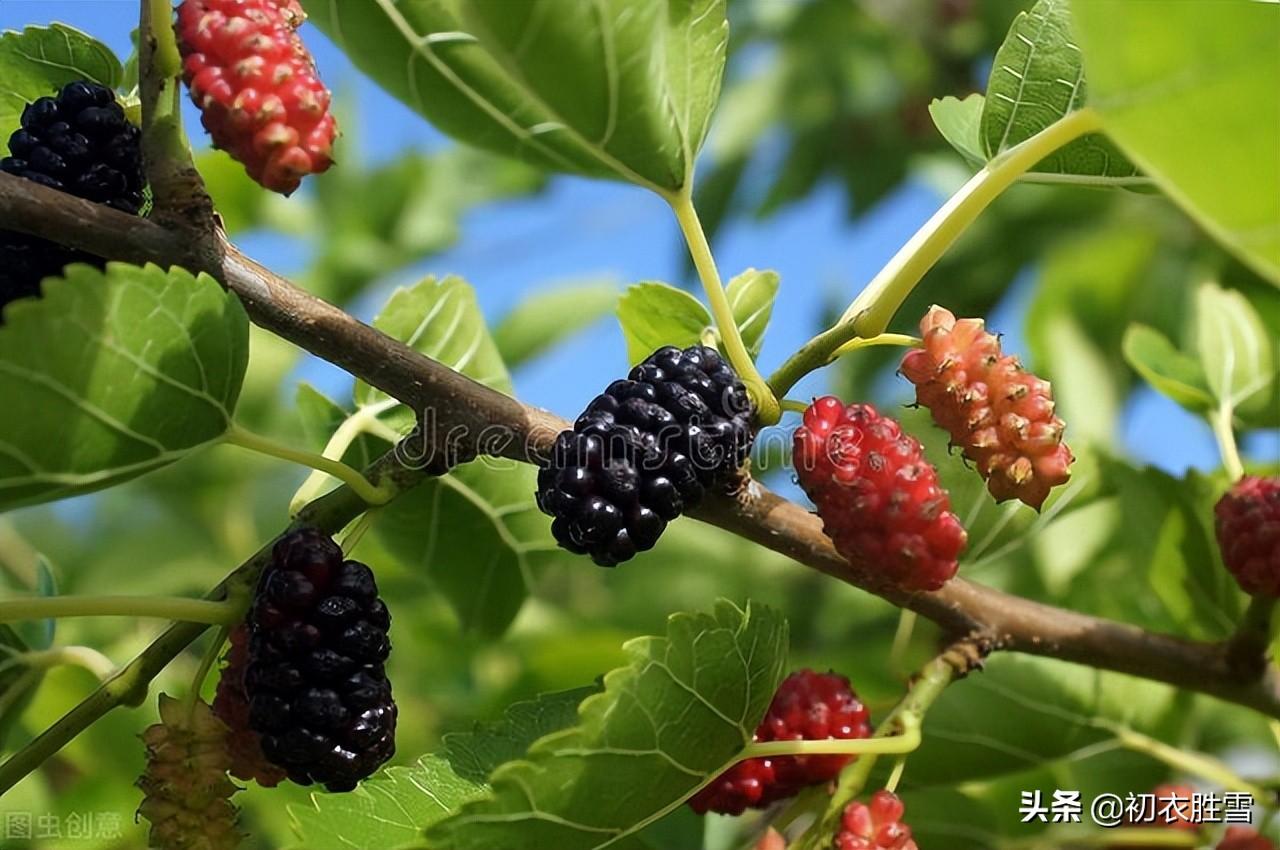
pixel 80 143
pixel 319 697
pixel 645 451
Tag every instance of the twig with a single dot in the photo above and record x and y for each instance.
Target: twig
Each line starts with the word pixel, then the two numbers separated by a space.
pixel 463 418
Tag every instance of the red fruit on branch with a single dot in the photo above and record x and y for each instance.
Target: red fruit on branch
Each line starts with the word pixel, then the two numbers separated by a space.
pixel 256 86
pixel 875 826
pixel 997 412
pixel 1247 520
pixel 808 706
pixel 878 496
pixel 231 706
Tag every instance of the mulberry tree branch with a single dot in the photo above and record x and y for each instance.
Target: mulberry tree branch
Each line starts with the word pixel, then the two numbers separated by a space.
pixel 462 418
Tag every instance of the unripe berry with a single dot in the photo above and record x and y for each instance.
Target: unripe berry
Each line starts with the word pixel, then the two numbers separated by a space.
pixel 879 498
pixel 1000 415
pixel 187 792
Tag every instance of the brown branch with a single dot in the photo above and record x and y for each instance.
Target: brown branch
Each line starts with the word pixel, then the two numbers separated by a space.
pixel 463 409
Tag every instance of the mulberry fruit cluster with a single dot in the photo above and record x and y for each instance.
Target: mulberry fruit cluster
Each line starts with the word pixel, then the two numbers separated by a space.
pixel 187 792
pixel 1247 521
pixel 231 706
pixel 875 826
pixel 808 706
pixel 998 413
pixel 644 451
pixel 878 496
pixel 78 142
pixel 256 86
pixel 318 693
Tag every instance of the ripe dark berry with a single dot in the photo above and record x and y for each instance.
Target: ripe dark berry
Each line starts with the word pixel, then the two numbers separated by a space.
pixel 875 826
pixel 318 693
pixel 1244 838
pixel 1247 520
pixel 808 706
pixel 80 143
pixel 878 496
pixel 256 86
pixel 998 413
pixel 644 451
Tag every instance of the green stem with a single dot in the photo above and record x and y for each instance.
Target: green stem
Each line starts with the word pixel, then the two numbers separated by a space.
pixel 238 436
pixel 872 310
pixel 168 608
pixel 362 421
pixel 907 742
pixel 1225 433
pixel 826 348
pixel 202 672
pixel 902 340
pixel 69 656
pixel 1197 764
pixel 895 775
pixel 793 405
pixel 166 152
pixel 906 718
pixel 767 410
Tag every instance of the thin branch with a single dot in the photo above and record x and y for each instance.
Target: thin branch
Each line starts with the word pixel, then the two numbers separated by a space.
pixel 462 418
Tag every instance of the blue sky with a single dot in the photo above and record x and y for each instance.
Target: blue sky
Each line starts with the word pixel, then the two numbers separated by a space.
pixel 581 229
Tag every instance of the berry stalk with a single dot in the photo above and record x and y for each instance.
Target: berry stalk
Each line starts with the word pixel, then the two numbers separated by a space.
pixel 167 608
pixel 907 717
pixel 768 411
pixel 1224 432
pixel 875 306
pixel 373 495
pixel 907 742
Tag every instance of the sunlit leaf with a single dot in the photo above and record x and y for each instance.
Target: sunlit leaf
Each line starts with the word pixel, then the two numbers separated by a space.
pixel 657 314
pixel 609 88
pixel 751 296
pixel 1193 102
pixel 671 720
pixel 1168 370
pixel 960 123
pixel 1235 351
pixel 113 374
pixel 1037 77
pixel 387 812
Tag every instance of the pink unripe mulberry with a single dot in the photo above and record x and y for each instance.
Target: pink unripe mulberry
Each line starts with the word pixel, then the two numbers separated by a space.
pixel 999 414
pixel 256 86
pixel 877 494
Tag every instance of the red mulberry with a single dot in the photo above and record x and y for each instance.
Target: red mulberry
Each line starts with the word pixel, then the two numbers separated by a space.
pixel 875 826
pixel 1248 527
pixel 878 496
pixel 256 86
pixel 808 706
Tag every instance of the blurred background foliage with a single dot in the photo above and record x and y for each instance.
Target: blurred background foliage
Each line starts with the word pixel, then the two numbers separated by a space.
pixel 821 96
